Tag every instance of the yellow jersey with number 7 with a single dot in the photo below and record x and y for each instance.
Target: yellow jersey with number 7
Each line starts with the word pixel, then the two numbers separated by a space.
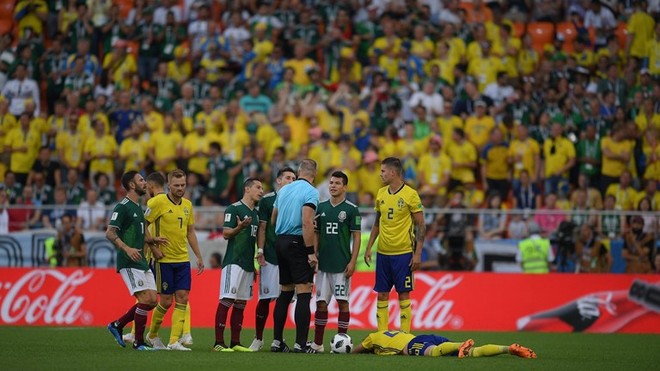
pixel 397 233
pixel 171 220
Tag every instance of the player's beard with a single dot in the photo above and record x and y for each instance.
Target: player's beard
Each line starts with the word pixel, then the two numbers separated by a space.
pixel 141 191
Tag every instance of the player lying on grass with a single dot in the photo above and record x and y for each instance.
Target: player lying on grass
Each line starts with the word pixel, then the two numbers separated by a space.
pixel 387 343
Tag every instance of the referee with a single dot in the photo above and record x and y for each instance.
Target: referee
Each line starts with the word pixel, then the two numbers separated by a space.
pixel 295 205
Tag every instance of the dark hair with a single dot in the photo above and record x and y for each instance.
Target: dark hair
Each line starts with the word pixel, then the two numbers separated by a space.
pixel 156 178
pixel 176 173
pixel 249 182
pixel 285 170
pixel 127 179
pixel 394 163
pixel 216 146
pixel 341 175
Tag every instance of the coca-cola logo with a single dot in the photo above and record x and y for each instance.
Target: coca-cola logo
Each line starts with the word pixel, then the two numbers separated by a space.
pixel 44 296
pixel 432 311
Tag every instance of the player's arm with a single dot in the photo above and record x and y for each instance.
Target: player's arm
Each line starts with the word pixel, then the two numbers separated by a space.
pixel 194 245
pixel 111 235
pixel 153 243
pixel 261 242
pixel 420 236
pixel 357 239
pixel 375 230
pixel 234 225
pixel 308 232
pixel 273 217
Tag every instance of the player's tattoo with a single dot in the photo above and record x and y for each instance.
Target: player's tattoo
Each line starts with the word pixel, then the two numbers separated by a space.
pixel 111 235
pixel 421 232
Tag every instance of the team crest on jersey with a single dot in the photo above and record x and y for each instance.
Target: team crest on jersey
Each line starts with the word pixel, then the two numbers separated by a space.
pixel 401 203
pixel 342 216
pixel 186 212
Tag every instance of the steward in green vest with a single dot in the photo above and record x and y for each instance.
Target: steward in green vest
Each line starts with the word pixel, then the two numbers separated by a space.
pixel 534 252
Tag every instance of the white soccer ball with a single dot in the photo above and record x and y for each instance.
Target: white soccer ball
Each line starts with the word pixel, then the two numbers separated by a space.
pixel 341 343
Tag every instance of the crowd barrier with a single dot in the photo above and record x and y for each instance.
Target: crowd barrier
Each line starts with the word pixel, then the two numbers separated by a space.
pixel 601 303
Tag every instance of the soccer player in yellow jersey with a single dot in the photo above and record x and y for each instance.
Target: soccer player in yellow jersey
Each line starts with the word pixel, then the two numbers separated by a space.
pixel 398 211
pixel 388 343
pixel 173 218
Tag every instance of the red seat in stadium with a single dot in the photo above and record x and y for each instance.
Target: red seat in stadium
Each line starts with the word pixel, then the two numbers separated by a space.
pixel 6 25
pixel 518 29
pixel 542 33
pixel 570 34
pixel 7 10
pixel 133 47
pixel 125 7
pixel 622 34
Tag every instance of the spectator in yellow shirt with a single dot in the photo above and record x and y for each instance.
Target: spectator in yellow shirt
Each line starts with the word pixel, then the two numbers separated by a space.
pixel 495 167
pixel 653 52
pixel 70 145
pixel 100 152
pixel 369 174
pixel 623 191
pixel 616 156
pixel 640 29
pixel 23 144
pixel 524 154
pixel 31 16
pixel 165 146
pixel 479 125
pixel 196 149
pixel 464 159
pixel 434 168
pixel 120 65
pixel 133 150
pixel 301 65
pixel 559 156
pixel 485 67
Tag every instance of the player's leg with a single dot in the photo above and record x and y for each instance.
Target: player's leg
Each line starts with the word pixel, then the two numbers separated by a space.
pixel 228 290
pixel 490 350
pixel 133 284
pixel 303 278
pixel 178 320
pixel 269 290
pixel 186 338
pixel 342 294
pixel 243 294
pixel 286 294
pixel 147 301
pixel 403 282
pixel 182 285
pixel 383 286
pixel 165 285
pixel 323 296
pixel 128 338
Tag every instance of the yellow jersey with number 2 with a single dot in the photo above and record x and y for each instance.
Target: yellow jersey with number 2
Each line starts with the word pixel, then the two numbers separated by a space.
pixel 397 234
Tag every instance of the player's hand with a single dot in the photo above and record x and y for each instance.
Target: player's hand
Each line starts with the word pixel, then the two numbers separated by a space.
pixel 312 260
pixel 158 241
pixel 157 253
pixel 245 222
pixel 134 254
pixel 200 267
pixel 261 260
pixel 367 257
pixel 415 262
pixel 350 269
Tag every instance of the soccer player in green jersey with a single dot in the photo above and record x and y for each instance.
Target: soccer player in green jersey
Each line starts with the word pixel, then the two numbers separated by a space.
pixel 127 232
pixel 337 222
pixel 269 275
pixel 240 228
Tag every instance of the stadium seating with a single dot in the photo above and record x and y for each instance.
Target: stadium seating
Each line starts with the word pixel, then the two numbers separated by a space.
pixel 570 34
pixel 6 10
pixel 542 33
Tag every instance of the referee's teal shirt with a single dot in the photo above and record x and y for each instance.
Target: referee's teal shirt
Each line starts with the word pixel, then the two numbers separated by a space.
pixel 289 203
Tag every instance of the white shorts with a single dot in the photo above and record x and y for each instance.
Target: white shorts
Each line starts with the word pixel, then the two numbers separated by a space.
pixel 269 281
pixel 137 280
pixel 332 284
pixel 236 283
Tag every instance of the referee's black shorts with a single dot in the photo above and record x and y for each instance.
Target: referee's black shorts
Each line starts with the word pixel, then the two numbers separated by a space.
pixel 292 260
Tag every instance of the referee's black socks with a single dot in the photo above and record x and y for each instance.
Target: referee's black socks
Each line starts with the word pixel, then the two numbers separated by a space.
pixel 280 312
pixel 303 315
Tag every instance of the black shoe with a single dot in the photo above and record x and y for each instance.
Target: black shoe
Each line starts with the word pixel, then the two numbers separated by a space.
pixel 306 349
pixel 282 348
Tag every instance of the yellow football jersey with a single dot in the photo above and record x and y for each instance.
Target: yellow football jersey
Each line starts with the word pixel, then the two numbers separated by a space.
pixel 387 342
pixel 171 221
pixel 397 235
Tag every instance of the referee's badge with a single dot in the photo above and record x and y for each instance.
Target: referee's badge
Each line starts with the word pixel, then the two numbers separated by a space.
pixel 342 216
pixel 401 203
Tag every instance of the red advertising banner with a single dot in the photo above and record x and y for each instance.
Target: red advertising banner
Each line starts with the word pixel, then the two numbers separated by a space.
pixel 441 300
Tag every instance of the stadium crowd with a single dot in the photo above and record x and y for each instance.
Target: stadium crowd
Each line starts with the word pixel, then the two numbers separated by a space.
pixel 512 104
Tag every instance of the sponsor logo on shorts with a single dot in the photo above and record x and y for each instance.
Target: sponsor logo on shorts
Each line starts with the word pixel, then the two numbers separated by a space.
pixel 233 290
pixel 165 285
pixel 140 283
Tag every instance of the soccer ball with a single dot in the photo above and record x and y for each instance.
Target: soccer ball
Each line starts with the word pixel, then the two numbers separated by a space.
pixel 341 343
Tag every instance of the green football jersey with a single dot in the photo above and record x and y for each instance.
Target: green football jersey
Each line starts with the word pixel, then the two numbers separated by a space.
pixel 265 211
pixel 334 225
pixel 240 249
pixel 128 218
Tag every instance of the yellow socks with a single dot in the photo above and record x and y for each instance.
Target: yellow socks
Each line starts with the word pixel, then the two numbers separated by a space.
pixel 488 350
pixel 382 315
pixel 156 320
pixel 445 349
pixel 186 324
pixel 405 316
pixel 178 319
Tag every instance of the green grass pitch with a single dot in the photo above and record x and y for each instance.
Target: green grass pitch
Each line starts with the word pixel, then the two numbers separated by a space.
pixel 53 348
